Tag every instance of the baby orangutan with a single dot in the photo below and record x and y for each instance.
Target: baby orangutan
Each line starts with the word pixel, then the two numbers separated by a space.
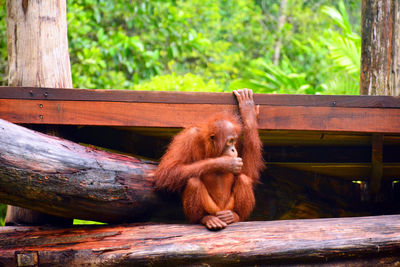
pixel 202 164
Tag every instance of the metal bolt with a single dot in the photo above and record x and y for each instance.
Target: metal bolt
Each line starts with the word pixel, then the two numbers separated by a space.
pixel 27 259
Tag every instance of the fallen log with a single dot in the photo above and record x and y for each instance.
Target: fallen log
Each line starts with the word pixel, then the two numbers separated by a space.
pixel 59 177
pixel 361 241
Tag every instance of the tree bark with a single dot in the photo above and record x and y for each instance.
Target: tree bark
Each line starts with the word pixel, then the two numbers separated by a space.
pixel 362 241
pixel 281 22
pixel 62 178
pixel 380 64
pixel 380 48
pixel 38 56
pixel 37 44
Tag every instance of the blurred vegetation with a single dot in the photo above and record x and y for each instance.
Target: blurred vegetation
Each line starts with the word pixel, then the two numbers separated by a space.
pixel 218 45
pixel 80 222
pixel 210 45
pixel 3 209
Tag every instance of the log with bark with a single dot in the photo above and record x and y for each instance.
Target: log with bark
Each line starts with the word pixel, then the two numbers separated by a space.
pixel 59 177
pixel 380 48
pixel 363 241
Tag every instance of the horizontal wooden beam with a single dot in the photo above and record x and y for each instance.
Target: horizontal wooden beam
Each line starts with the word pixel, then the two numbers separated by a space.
pixel 180 115
pixel 290 138
pixel 179 109
pixel 324 241
pixel 34 93
pixel 351 171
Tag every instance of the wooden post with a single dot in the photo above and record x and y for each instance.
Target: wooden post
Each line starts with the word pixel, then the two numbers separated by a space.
pixel 380 64
pixel 38 56
pixel 37 44
pixel 380 47
pixel 377 165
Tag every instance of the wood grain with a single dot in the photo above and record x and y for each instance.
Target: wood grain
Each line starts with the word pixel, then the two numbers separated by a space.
pixel 377 164
pixel 33 93
pixel 299 118
pixel 317 241
pixel 380 48
pixel 59 177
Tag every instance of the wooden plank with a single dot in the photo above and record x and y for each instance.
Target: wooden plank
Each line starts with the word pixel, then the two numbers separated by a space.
pixel 330 119
pixel 377 165
pixel 316 241
pixel 351 171
pixel 33 93
pixel 180 115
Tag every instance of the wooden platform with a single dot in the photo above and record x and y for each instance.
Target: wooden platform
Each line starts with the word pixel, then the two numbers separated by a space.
pixel 363 241
pixel 285 120
pixel 308 140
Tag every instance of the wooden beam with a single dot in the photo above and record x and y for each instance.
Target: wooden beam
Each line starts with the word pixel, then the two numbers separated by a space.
pixel 350 171
pixel 337 241
pixel 32 93
pixel 300 118
pixel 366 114
pixel 287 137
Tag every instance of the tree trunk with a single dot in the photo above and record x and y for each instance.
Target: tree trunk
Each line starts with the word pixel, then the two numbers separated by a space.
pixel 37 44
pixel 362 241
pixel 281 22
pixel 380 64
pixel 38 56
pixel 380 55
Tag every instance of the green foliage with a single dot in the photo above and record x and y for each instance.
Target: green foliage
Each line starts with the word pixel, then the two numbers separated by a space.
pixel 83 222
pixel 267 78
pixel 116 44
pixel 173 82
pixel 345 53
pixel 3 210
pixel 344 46
pixel 211 45
pixel 312 62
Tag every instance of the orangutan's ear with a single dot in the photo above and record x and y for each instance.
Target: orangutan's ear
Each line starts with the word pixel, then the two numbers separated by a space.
pixel 212 137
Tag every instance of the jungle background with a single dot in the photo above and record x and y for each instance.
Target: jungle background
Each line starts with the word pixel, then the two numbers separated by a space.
pixel 271 46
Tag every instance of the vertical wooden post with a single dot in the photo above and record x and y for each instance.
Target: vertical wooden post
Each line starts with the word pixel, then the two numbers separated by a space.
pixel 380 47
pixel 380 64
pixel 377 165
pixel 37 44
pixel 38 56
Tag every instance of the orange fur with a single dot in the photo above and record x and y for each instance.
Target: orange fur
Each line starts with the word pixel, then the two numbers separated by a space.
pixel 194 165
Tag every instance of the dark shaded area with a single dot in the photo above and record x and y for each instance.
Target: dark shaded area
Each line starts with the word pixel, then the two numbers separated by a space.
pixel 283 193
